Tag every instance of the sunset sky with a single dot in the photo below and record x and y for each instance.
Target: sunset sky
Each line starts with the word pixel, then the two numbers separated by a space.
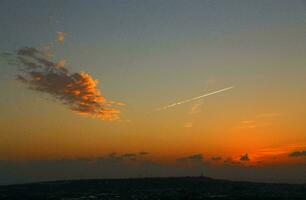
pixel 146 55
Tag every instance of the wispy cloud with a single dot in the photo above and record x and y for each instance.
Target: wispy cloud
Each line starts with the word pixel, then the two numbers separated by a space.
pixel 261 121
pixel 188 125
pixel 270 114
pixel 251 124
pixel 196 108
pixel 78 91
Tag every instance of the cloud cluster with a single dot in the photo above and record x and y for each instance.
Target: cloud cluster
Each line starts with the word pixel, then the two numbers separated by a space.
pixel 77 90
pixel 297 154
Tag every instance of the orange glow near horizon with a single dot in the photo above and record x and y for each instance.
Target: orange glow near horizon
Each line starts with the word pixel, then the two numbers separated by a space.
pixel 262 116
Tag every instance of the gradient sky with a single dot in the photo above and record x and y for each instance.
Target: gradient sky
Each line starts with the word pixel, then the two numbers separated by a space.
pixel 149 54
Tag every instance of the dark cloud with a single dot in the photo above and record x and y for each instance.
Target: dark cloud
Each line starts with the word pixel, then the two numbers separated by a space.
pixel 76 90
pixel 195 157
pixel 244 157
pixel 143 153
pixel 216 158
pixel 297 154
pixel 125 156
pixel 129 155
pixel 112 156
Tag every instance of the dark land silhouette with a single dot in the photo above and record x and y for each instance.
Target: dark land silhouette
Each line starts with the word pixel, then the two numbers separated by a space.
pixel 153 188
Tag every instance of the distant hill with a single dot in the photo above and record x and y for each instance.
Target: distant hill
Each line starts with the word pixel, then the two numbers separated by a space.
pixel 153 188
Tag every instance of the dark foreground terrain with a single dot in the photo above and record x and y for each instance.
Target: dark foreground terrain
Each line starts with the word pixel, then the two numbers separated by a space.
pixel 153 188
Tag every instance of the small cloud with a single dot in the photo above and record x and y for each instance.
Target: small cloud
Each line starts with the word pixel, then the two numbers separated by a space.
pixel 129 155
pixel 133 156
pixel 244 157
pixel 61 37
pixel 195 109
pixel 61 63
pixel 125 157
pixel 210 81
pixel 297 154
pixel 188 125
pixel 45 49
pixel 114 154
pixel 195 157
pixel 216 158
pixel 112 157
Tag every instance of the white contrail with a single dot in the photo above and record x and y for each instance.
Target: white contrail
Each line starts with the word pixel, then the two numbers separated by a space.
pixel 193 99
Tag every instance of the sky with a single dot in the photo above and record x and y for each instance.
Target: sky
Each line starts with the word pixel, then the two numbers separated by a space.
pixel 85 83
